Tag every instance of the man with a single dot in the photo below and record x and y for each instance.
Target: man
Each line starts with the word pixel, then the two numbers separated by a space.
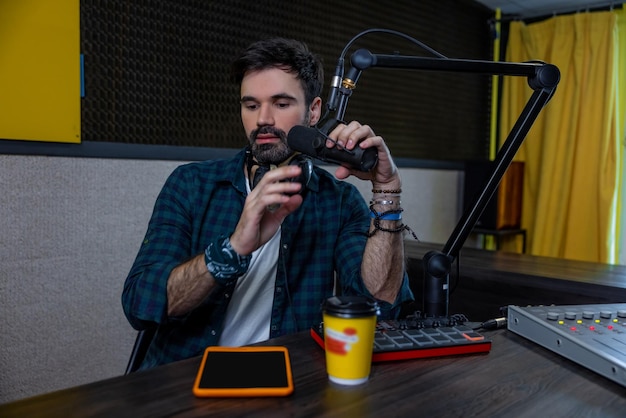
pixel 238 251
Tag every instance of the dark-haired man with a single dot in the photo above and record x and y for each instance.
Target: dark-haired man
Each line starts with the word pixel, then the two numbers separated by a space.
pixel 241 250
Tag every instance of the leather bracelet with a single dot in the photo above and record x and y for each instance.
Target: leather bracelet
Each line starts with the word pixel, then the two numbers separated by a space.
pixel 223 262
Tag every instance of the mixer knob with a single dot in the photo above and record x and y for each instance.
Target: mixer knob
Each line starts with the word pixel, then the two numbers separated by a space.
pixel 553 316
pixel 570 315
pixel 621 313
pixel 605 314
pixel 588 314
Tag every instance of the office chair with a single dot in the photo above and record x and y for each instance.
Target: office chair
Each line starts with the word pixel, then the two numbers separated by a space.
pixel 144 337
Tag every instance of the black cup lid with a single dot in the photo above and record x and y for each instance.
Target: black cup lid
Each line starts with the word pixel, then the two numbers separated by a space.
pixel 350 306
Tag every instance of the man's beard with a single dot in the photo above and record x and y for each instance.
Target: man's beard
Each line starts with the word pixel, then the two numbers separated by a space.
pixel 270 153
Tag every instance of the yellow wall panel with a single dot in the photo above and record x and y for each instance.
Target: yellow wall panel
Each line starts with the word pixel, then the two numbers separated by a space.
pixel 40 83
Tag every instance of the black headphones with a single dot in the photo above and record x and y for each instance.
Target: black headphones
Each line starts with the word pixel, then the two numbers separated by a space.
pixel 304 162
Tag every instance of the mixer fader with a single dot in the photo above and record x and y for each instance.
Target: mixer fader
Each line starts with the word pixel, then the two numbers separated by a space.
pixel 591 335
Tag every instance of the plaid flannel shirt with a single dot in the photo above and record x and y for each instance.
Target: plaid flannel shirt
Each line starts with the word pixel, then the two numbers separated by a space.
pixel 199 202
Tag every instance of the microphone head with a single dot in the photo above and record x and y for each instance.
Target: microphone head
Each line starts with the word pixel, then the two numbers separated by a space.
pixel 305 140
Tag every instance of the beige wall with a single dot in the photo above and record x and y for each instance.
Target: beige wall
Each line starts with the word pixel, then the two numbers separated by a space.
pixel 69 231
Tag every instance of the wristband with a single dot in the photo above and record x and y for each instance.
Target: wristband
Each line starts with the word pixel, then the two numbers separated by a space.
pixel 223 262
pixel 386 216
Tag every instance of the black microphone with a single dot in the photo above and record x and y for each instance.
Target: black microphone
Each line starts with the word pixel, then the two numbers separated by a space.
pixel 312 142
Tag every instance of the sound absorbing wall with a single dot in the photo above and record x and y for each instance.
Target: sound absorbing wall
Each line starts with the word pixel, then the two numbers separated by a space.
pixel 157 71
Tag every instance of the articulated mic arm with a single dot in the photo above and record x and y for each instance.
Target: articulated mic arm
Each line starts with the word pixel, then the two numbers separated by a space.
pixel 542 78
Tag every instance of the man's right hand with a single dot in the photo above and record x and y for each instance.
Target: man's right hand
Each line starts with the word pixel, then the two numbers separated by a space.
pixel 267 205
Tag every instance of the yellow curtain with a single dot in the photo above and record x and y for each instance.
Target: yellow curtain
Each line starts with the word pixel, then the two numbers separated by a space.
pixel 619 244
pixel 571 154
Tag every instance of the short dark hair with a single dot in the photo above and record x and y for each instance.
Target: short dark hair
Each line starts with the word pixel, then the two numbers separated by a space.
pixel 288 54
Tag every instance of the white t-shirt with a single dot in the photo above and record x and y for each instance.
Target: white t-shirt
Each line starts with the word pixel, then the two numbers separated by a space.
pixel 249 312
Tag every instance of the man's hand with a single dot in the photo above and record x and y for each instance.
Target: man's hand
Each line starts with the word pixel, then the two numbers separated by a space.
pixel 267 205
pixel 384 174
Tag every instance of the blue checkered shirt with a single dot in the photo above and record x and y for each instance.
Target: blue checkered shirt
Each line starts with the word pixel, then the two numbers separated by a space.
pixel 201 201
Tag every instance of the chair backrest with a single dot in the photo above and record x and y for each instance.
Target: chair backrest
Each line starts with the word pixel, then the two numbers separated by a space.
pixel 142 342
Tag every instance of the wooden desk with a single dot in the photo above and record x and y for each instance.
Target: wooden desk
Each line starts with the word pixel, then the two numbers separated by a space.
pixel 492 279
pixel 516 379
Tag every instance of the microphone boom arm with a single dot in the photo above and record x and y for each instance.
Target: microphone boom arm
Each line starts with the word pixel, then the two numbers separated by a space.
pixel 542 78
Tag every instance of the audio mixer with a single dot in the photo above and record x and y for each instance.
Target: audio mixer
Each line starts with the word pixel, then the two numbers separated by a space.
pixel 593 336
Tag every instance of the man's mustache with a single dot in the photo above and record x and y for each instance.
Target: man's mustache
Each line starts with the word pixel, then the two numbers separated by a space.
pixel 268 130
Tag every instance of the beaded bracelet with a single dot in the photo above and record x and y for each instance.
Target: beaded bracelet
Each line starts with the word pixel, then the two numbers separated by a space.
pixel 378 191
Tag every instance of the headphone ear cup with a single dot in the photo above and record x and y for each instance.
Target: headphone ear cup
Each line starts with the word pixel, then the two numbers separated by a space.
pixel 260 171
pixel 306 165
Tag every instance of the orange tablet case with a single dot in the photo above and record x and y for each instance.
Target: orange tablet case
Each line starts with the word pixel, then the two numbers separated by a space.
pixel 244 372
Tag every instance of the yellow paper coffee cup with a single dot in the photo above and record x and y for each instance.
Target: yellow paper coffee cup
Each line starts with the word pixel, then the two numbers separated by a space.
pixel 349 327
